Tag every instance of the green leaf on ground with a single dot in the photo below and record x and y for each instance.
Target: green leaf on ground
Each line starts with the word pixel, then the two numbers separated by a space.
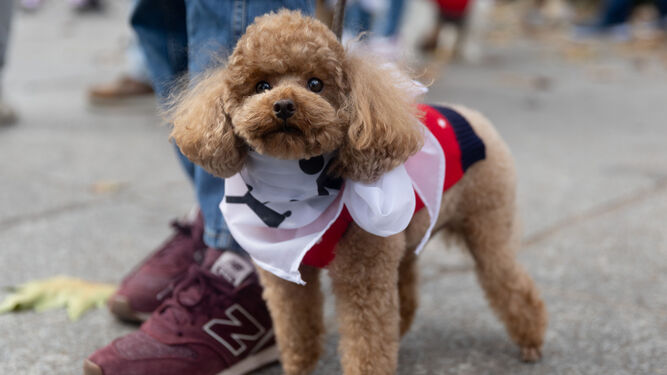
pixel 76 295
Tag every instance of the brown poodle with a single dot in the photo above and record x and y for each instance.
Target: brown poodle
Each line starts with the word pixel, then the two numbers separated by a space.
pixel 339 102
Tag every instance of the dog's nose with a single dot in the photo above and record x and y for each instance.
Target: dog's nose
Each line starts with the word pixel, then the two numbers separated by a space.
pixel 284 108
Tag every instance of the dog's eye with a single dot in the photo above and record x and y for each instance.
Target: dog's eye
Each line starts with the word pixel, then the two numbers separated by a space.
pixel 315 85
pixel 262 86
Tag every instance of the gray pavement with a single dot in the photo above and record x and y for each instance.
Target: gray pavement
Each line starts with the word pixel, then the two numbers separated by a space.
pixel 590 142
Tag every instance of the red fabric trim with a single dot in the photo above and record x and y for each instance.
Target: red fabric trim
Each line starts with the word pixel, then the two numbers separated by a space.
pixel 434 121
pixel 323 253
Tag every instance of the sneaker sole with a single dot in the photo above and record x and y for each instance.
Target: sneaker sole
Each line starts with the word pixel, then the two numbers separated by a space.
pixel 120 307
pixel 253 362
pixel 90 368
pixel 261 359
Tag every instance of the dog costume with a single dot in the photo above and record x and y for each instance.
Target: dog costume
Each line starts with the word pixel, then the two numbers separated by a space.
pixel 285 213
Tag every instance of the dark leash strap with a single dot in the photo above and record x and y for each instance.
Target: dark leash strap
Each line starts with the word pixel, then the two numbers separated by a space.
pixel 339 16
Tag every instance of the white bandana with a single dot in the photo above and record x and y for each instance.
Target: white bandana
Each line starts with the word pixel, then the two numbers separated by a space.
pixel 278 209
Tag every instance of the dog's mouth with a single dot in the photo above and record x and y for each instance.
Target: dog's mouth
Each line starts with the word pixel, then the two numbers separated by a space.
pixel 284 128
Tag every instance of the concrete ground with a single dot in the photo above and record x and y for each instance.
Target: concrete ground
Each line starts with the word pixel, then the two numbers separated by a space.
pixel 87 191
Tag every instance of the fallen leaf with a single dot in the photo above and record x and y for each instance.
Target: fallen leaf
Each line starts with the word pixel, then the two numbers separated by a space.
pixel 76 295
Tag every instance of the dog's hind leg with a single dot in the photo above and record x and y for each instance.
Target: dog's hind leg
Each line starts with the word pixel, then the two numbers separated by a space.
pixel 408 295
pixel 296 311
pixel 508 288
pixel 364 276
pixel 484 212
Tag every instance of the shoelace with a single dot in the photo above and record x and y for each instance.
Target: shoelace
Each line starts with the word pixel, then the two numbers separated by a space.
pixel 194 289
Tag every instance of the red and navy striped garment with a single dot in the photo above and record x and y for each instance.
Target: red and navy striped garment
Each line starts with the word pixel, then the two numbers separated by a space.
pixel 462 148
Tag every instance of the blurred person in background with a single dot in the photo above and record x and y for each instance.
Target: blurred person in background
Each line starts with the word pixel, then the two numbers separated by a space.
pixel 613 20
pixel 382 19
pixel 449 12
pixel 133 83
pixel 199 291
pixel 469 18
pixel 7 114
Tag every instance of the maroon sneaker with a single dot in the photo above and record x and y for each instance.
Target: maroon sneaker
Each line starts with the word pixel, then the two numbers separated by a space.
pixel 144 289
pixel 215 322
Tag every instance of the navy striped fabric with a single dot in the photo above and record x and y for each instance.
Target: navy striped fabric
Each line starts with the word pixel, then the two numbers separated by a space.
pixel 472 147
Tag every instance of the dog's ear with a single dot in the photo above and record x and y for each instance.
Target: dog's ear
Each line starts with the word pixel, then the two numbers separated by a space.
pixel 202 128
pixel 383 128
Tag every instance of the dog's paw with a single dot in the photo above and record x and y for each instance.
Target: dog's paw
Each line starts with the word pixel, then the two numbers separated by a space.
pixel 530 354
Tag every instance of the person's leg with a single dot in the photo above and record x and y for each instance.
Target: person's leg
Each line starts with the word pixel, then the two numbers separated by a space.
pixel 213 29
pixel 357 19
pixel 136 62
pixel 385 41
pixel 225 285
pixel 160 26
pixel 133 82
pixel 611 21
pixel 164 40
pixel 662 13
pixel 392 19
pixel 615 12
pixel 161 32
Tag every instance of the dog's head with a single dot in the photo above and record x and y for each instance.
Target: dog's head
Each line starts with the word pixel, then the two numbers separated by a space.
pixel 290 90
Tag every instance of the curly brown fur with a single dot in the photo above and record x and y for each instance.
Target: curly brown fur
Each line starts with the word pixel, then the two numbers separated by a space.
pixel 382 131
pixel 408 276
pixel 202 129
pixel 487 220
pixel 481 209
pixel 359 113
pixel 364 116
pixel 297 318
pixel 364 276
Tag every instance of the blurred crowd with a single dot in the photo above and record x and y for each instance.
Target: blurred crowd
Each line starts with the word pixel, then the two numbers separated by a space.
pixel 380 21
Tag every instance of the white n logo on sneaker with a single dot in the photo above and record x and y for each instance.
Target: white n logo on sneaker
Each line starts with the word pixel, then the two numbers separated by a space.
pixel 232 333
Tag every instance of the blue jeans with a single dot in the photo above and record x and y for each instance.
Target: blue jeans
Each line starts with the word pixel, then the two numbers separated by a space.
pixel 393 17
pixel 357 18
pixel 186 36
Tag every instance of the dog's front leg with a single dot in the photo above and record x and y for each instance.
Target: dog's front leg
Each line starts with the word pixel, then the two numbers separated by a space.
pixel 364 276
pixel 296 311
